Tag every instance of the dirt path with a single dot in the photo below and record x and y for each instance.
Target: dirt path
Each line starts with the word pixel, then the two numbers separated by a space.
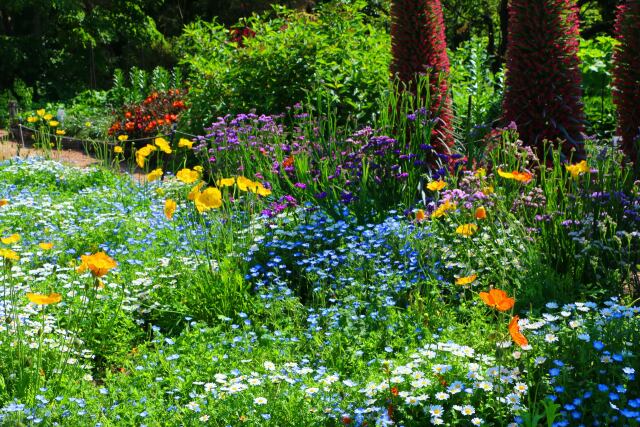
pixel 10 149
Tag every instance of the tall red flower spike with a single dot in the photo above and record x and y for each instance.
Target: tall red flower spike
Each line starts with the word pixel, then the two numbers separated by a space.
pixel 543 94
pixel 626 76
pixel 419 47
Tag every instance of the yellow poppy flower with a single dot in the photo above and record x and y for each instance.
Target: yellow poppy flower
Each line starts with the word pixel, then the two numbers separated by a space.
pixel 41 112
pixel 118 149
pixel 443 209
pixel 123 137
pixel 87 124
pixel 32 119
pixel 60 132
pixel 183 142
pixel 163 145
pixel 169 208
pixel 436 185
pixel 45 246
pixel 487 190
pixel 245 184
pixel 52 298
pixel 210 198
pixel 48 116
pixel 53 123
pixel 467 230
pixel 188 176
pixel 195 191
pixel 515 175
pixel 225 182
pixel 141 154
pixel 466 280
pixel 4 202
pixel 99 264
pixel 9 254
pixel 9 240
pixel 263 191
pixel 577 169
pixel 154 175
pixel 198 168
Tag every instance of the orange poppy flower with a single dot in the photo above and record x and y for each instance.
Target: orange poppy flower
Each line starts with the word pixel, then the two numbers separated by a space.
pixel 99 264
pixel 420 215
pixel 516 335
pixel 498 299
pixel 481 213
pixel 288 162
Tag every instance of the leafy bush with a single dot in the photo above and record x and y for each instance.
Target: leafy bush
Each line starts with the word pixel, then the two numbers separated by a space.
pixel 596 66
pixel 293 56
pixel 477 91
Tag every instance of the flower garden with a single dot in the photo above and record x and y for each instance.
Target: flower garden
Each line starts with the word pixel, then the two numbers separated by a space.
pixel 307 268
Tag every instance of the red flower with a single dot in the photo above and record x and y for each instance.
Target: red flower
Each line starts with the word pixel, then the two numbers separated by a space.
pixel 419 46
pixel 626 72
pixel 543 93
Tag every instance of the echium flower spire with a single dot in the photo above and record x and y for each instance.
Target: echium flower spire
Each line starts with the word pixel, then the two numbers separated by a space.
pixel 626 76
pixel 543 93
pixel 419 47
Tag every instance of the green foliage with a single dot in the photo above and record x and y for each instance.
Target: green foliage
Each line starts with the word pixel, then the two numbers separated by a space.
pixel 293 56
pixel 63 47
pixel 596 65
pixel 139 83
pixel 474 85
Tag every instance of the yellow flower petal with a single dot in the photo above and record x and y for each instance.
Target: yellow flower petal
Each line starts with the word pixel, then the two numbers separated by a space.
pixel 436 185
pixel 52 298
pixel 467 230
pixel 154 175
pixel 210 198
pixel 10 240
pixel 169 208
pixel 187 176
pixel 9 254
pixel 466 280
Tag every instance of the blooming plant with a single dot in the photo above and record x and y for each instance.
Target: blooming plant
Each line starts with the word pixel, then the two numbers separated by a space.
pixel 156 114
pixel 544 99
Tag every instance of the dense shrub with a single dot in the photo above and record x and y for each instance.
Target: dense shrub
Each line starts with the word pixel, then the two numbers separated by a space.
pixel 542 78
pixel 419 47
pixel 293 56
pixel 627 76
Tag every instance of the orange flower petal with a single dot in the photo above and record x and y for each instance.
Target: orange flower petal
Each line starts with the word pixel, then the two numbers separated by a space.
pixel 516 335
